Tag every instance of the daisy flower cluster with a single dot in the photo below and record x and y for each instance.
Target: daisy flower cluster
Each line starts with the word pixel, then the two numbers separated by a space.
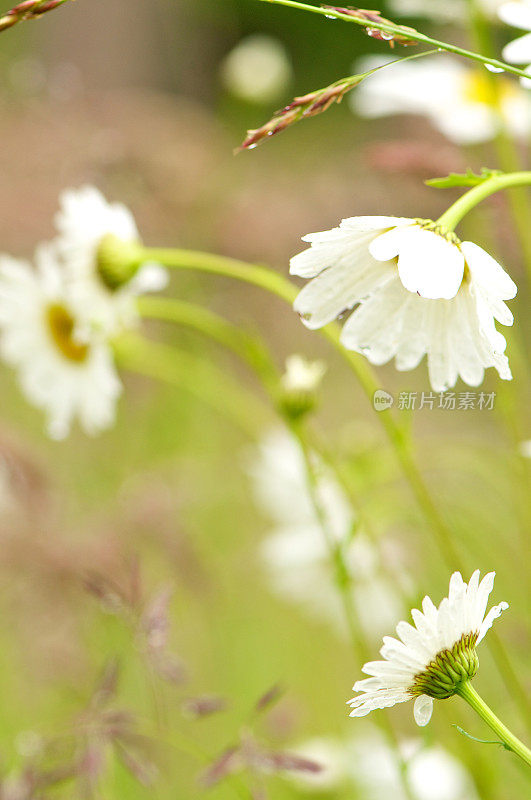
pixel 57 316
pixel 434 657
pixel 418 290
pixel 295 554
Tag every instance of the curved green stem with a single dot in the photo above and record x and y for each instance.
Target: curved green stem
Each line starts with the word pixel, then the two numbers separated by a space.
pixel 197 376
pixel 399 30
pixel 470 199
pixel 284 289
pixel 511 742
pixel 210 324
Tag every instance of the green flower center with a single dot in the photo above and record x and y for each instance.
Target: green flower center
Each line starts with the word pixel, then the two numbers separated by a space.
pixel 61 327
pixel 448 670
pixel 116 261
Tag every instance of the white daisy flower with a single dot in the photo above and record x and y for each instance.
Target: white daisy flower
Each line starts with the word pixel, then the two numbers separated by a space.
pixel 420 291
pixel 518 14
pixel 433 658
pixel 460 101
pixel 295 553
pixel 106 298
pixel 66 374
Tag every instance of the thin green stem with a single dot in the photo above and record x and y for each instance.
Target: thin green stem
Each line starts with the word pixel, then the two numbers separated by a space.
pixel 399 30
pixel 253 352
pixel 221 331
pixel 343 583
pixel 197 376
pixel 506 148
pixel 284 289
pixel 470 199
pixel 248 347
pixel 511 742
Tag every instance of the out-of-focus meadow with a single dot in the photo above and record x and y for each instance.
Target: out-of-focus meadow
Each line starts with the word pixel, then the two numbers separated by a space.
pixel 105 541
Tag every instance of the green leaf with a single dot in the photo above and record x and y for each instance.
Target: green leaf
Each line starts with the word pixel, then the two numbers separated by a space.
pixel 469 178
pixel 481 741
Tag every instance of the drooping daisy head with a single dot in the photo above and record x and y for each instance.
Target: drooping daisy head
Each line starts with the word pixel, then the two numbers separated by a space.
pixel 433 658
pixel 419 291
pixel 62 368
pixel 462 102
pixel 93 241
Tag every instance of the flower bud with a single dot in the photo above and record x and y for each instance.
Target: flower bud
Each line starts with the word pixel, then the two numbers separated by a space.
pixel 299 384
pixel 117 261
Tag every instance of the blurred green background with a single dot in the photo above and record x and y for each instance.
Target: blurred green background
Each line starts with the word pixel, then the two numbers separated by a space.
pixel 128 95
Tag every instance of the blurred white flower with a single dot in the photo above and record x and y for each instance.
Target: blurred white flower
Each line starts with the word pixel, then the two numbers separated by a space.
pixel 302 375
pixel 61 368
pixel 459 101
pixel 525 448
pixel 367 764
pixel 331 755
pixel 258 69
pixel 442 10
pixel 518 14
pixel 84 219
pixel 420 291
pixel 295 553
pixel 432 772
pixel 435 657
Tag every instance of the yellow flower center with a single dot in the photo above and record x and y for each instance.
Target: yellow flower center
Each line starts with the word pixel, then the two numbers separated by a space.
pixel 60 324
pixel 479 88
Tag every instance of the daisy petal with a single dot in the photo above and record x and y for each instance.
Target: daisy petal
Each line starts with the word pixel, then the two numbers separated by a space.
pixel 422 710
pixel 429 265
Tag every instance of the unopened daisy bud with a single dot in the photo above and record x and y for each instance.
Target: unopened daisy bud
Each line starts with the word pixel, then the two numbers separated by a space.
pixel 299 384
pixel 435 657
pixel 99 244
pixel 116 261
